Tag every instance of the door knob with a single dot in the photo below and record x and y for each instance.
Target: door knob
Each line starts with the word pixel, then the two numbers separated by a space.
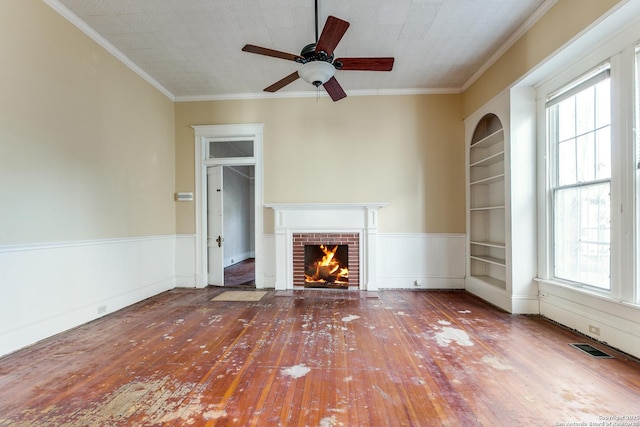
pixel 219 240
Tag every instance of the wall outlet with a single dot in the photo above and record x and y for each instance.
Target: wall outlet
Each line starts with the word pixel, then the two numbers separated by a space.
pixel 594 330
pixel 102 309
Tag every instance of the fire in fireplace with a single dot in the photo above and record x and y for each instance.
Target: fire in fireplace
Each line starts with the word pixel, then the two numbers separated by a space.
pixel 326 266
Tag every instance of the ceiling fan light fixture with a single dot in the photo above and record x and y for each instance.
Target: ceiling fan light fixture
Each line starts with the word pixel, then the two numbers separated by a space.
pixel 317 72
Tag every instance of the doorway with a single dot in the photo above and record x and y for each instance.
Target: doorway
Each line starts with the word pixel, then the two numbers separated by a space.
pixel 231 225
pixel 238 150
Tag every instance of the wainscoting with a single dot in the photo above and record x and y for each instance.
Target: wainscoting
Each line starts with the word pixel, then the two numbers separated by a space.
pixel 50 288
pixel 421 261
pixel 601 318
pixel 433 260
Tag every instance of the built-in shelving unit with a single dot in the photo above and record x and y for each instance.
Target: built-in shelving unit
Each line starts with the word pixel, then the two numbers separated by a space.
pixel 487 217
pixel 501 251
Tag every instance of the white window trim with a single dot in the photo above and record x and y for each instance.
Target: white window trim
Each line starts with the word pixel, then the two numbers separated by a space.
pixel 620 52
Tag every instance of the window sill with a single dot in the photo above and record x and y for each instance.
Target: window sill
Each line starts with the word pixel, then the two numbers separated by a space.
pixel 566 291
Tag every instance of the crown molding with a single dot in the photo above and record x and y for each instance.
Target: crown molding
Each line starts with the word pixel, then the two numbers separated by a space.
pixel 314 94
pixel 526 26
pixel 93 35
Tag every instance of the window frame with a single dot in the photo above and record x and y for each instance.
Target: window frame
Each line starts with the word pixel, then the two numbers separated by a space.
pixel 625 223
pixel 589 79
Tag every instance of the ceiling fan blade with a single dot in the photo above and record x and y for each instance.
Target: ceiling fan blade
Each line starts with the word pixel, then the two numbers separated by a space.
pixel 365 64
pixel 334 89
pixel 331 35
pixel 270 52
pixel 283 82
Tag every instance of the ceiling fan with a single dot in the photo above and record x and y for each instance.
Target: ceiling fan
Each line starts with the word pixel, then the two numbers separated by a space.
pixel 318 65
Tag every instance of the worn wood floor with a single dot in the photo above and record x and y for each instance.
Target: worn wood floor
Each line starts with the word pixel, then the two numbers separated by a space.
pixel 242 274
pixel 316 358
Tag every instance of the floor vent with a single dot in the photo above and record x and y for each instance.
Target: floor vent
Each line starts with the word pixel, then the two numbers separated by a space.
pixel 592 351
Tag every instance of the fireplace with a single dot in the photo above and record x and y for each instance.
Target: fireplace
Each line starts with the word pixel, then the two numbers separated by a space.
pixel 326 266
pixel 309 250
pixel 354 225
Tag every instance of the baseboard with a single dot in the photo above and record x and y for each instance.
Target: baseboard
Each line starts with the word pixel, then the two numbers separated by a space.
pixel 422 283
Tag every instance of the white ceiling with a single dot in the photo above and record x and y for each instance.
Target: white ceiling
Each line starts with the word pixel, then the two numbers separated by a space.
pixel 191 49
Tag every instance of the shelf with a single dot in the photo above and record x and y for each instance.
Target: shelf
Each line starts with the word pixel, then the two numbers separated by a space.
pixel 490 260
pixel 490 180
pixel 488 244
pixel 492 281
pixel 489 140
pixel 486 208
pixel 490 160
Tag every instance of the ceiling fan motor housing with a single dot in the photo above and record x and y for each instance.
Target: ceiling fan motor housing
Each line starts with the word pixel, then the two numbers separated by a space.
pixel 309 54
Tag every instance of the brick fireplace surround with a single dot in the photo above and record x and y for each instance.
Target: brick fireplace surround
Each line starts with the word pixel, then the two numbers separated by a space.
pixel 355 222
pixel 299 240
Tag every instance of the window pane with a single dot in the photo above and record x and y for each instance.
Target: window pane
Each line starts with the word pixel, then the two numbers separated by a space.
pixel 603 102
pixel 603 153
pixel 582 234
pixel 585 155
pixel 226 149
pixel 585 111
pixel 567 162
pixel 567 119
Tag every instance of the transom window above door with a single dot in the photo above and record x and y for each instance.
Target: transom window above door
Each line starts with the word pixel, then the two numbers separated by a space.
pixel 229 149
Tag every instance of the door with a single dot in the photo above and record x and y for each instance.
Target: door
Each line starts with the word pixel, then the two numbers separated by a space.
pixel 215 238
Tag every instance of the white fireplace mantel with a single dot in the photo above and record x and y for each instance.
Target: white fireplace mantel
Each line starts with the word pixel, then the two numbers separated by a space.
pixel 361 218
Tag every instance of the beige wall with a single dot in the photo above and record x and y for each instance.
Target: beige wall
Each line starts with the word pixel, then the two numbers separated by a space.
pixel 404 150
pixel 558 26
pixel 86 145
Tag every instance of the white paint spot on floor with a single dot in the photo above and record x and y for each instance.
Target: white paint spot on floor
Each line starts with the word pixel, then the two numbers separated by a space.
pixel 328 422
pixel 214 415
pixel 464 311
pixel 495 363
pixel 297 371
pixel 444 322
pixel 449 335
pixel 348 379
pixel 401 313
pixel 350 317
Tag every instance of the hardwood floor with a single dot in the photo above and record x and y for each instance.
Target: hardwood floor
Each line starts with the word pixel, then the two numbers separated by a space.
pixel 241 274
pixel 316 358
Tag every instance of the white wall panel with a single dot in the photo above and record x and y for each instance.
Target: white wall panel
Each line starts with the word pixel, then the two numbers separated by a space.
pixel 435 261
pixel 50 288
pixel 617 324
pixel 186 260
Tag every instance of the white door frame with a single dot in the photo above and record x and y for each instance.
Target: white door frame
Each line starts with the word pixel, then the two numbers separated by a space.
pixel 203 135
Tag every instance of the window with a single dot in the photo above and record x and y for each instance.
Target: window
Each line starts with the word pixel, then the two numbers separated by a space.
pixel 579 132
